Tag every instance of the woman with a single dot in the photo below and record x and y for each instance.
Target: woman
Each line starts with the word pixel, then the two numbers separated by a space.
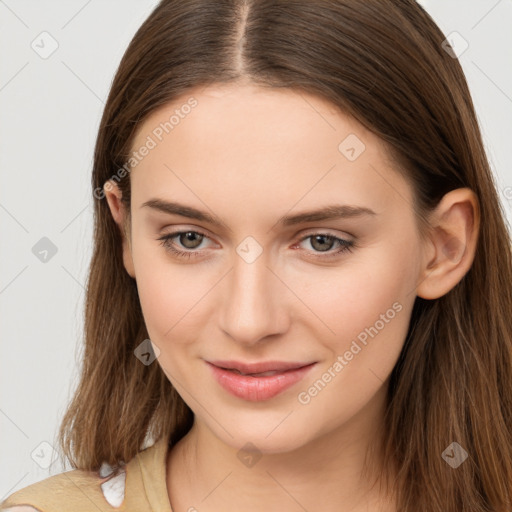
pixel 298 247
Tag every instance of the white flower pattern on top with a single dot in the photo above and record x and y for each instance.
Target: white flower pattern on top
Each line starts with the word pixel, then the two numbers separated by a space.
pixel 113 488
pixel 105 470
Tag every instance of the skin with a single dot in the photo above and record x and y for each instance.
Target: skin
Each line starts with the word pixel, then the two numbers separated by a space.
pixel 249 156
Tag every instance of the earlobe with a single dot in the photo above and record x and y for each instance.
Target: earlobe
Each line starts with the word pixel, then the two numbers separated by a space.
pixel 451 248
pixel 113 195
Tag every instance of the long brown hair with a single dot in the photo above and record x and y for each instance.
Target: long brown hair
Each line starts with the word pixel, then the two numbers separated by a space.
pixel 383 62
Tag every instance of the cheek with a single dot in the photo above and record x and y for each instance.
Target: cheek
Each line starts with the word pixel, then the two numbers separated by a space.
pixel 169 300
pixel 369 311
pixel 173 296
pixel 361 286
pixel 365 300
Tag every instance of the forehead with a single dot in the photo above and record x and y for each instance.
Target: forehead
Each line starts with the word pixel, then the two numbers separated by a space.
pixel 238 144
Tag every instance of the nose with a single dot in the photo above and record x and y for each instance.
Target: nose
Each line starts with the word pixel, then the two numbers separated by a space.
pixel 253 302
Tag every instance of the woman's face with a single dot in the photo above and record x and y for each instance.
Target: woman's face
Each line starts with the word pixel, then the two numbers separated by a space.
pixel 259 280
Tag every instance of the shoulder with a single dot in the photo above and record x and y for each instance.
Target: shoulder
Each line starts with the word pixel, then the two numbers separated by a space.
pixel 143 477
pixel 75 490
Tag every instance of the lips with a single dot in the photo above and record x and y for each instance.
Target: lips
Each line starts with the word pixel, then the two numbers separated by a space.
pixel 258 381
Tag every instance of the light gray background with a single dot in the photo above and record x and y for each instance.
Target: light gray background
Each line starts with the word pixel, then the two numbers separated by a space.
pixel 50 111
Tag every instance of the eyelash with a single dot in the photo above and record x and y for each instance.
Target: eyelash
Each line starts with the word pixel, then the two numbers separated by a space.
pixel 165 241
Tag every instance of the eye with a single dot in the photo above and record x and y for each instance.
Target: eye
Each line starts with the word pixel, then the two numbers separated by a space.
pixel 324 242
pixel 189 239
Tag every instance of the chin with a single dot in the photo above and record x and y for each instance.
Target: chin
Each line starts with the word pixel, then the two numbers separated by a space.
pixel 262 438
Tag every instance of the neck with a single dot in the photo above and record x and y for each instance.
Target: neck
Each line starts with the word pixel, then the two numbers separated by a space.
pixel 338 471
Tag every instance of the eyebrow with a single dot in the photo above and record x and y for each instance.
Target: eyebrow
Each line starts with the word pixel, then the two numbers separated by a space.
pixel 336 211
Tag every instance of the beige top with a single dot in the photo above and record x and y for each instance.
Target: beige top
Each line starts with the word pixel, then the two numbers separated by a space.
pixel 138 487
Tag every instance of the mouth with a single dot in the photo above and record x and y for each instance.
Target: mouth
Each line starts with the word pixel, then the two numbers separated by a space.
pixel 262 368
pixel 261 374
pixel 258 381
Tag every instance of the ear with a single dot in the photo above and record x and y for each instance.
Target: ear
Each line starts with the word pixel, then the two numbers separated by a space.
pixel 450 250
pixel 118 211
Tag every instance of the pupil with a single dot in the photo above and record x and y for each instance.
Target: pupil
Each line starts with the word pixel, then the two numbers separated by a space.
pixel 322 239
pixel 189 237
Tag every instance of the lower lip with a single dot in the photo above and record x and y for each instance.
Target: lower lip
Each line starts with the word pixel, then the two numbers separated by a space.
pixel 256 389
